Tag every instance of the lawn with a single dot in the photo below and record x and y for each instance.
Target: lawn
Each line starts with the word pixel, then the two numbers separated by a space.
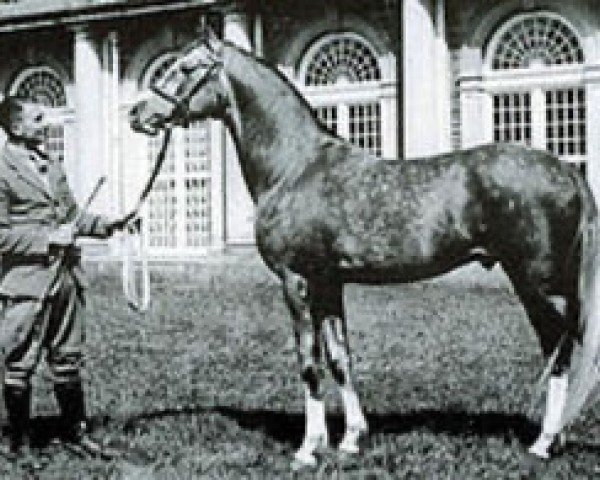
pixel 205 384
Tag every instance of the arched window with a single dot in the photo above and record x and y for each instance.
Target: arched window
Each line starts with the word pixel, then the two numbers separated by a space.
pixel 342 58
pixel 536 39
pixel 340 75
pixel 40 85
pixel 43 85
pixel 536 78
pixel 179 216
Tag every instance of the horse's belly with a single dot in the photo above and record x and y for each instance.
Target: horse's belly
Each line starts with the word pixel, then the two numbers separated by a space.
pixel 409 259
pixel 405 273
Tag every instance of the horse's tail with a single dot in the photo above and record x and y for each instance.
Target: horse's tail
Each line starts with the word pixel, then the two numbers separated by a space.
pixel 584 374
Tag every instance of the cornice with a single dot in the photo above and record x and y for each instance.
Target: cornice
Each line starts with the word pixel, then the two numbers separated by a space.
pixel 37 14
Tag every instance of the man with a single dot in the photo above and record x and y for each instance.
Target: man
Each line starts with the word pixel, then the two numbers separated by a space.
pixel 41 302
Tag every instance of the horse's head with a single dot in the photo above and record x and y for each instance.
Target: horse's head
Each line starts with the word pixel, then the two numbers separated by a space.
pixel 188 90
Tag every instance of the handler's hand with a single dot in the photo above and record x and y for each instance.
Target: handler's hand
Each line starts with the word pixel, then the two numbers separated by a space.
pixel 63 236
pixel 128 221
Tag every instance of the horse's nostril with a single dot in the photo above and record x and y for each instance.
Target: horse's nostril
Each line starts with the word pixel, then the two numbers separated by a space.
pixel 134 111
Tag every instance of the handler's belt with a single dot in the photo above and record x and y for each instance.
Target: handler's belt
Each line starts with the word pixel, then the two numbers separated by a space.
pixel 72 256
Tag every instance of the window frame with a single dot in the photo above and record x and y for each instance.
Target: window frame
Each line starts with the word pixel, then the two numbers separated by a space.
pixel 536 79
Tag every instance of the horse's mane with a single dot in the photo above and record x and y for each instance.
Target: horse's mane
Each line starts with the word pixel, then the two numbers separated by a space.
pixel 288 83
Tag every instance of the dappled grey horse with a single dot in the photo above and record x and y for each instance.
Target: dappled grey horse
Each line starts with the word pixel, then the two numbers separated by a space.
pixel 328 213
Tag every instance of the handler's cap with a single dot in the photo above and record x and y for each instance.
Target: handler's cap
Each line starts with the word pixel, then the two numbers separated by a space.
pixel 11 105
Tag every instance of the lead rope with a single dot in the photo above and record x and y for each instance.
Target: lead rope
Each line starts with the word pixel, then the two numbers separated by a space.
pixel 135 270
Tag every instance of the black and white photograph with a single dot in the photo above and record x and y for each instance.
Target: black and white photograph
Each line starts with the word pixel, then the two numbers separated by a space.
pixel 299 239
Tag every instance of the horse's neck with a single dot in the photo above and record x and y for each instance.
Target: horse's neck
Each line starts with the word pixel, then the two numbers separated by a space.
pixel 273 129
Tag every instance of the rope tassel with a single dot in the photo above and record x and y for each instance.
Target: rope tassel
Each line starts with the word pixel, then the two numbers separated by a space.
pixel 136 274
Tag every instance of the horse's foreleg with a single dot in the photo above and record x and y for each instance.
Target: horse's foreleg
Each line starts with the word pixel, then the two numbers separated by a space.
pixel 307 332
pixel 330 307
pixel 338 354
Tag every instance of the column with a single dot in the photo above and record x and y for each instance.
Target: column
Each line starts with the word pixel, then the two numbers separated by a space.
pixel 593 139
pixel 111 120
pixel 110 128
pixel 258 35
pixel 400 108
pixel 389 102
pixel 475 102
pixel 239 209
pixel 592 80
pixel 419 82
pixel 89 116
pixel 442 78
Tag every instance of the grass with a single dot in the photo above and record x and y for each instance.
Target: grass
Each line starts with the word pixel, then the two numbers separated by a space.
pixel 205 385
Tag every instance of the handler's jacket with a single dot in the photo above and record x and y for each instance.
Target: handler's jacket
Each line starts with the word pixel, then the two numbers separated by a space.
pixel 29 211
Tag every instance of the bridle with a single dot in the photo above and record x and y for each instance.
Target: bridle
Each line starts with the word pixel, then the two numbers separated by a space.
pixel 181 101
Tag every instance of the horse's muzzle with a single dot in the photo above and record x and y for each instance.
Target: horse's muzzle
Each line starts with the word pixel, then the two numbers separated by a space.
pixel 135 114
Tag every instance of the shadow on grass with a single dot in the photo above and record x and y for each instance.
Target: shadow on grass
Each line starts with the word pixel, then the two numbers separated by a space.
pixel 288 427
pixel 46 429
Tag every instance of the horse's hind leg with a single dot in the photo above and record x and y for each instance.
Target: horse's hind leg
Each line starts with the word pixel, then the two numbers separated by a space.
pixel 550 317
pixel 556 396
pixel 307 331
pixel 329 307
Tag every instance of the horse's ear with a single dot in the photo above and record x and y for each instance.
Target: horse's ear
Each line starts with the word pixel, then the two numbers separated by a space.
pixel 208 37
pixel 213 41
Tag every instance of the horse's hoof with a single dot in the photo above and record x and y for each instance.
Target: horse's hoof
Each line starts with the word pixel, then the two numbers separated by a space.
pixel 349 443
pixel 533 467
pixel 303 461
pixel 558 445
pixel 538 452
pixel 349 448
pixel 347 461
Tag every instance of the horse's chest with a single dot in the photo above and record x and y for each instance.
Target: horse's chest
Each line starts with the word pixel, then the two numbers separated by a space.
pixel 291 223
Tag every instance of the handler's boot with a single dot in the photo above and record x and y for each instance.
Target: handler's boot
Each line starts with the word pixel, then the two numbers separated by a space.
pixel 78 437
pixel 18 409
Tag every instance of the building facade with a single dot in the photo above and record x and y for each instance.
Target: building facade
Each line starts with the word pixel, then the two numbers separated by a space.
pixel 400 78
pixel 90 59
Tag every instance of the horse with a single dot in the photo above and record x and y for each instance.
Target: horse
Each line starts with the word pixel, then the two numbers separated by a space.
pixel 328 213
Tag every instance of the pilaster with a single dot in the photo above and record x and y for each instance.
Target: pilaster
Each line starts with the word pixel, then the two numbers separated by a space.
pixel 89 115
pixel 592 82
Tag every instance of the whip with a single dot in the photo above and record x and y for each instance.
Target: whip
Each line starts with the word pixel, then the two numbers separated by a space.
pixel 60 258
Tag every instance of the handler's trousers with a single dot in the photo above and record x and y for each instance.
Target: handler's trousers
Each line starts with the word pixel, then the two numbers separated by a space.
pixel 55 326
